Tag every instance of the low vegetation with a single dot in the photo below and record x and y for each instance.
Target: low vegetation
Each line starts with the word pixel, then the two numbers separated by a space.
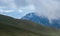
pixel 17 27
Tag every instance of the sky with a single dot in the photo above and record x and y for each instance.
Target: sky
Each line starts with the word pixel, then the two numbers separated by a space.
pixel 16 8
pixel 48 8
pixel 19 8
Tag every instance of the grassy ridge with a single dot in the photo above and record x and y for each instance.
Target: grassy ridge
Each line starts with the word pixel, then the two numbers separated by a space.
pixel 18 27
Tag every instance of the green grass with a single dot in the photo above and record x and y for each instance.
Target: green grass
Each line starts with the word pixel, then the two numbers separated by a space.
pixel 18 27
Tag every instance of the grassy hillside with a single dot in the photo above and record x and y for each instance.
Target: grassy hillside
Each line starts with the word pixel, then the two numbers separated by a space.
pixel 18 27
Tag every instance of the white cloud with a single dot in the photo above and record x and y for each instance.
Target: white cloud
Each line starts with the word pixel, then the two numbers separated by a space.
pixel 29 8
pixel 8 3
pixel 8 10
pixel 20 11
pixel 11 4
pixel 1 7
pixel 48 8
pixel 8 7
pixel 1 10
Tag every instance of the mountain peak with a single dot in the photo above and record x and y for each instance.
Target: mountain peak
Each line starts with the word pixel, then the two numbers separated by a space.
pixel 18 27
pixel 43 20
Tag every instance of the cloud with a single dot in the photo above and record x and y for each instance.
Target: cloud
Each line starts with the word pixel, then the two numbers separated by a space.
pixel 9 10
pixel 48 8
pixel 29 8
pixel 16 4
pixel 21 3
pixel 7 3
pixel 15 10
pixel 4 9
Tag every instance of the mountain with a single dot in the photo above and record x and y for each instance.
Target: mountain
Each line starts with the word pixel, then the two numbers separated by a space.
pixel 43 20
pixel 33 17
pixel 18 27
pixel 56 23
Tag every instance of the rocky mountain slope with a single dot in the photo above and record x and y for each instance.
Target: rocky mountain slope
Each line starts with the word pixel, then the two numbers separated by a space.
pixel 17 27
pixel 43 20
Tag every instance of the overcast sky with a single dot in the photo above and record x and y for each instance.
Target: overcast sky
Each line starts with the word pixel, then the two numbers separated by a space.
pixel 16 8
pixel 48 8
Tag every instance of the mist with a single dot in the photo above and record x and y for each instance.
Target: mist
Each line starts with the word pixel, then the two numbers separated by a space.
pixel 47 8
